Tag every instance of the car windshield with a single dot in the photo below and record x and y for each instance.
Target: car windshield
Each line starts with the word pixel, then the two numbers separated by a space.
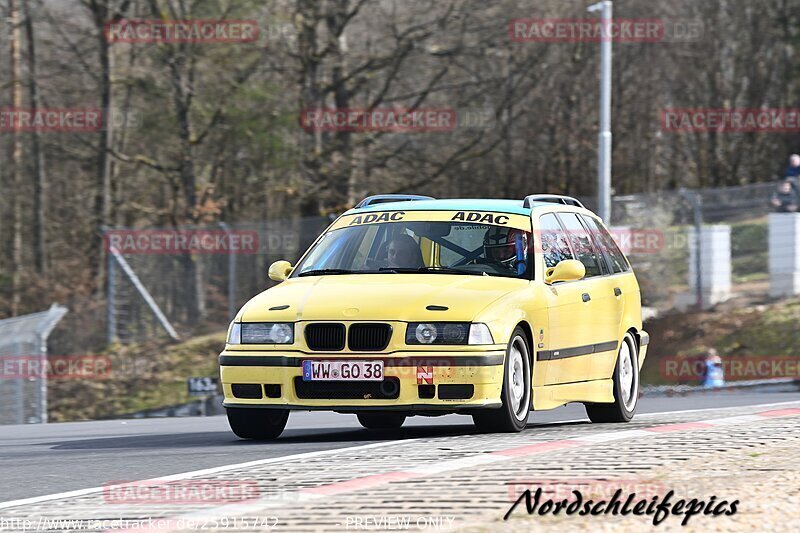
pixel 421 247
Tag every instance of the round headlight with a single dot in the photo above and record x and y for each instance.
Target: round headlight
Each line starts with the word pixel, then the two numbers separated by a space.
pixel 454 333
pixel 426 333
pixel 281 333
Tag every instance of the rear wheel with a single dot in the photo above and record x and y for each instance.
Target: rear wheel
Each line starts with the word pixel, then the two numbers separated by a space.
pixel 257 424
pixel 516 394
pixel 626 387
pixel 381 419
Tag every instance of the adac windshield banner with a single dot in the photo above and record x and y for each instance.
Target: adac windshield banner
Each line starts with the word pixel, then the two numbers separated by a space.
pixel 485 218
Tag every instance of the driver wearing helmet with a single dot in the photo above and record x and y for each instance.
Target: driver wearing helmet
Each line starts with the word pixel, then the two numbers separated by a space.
pixel 507 248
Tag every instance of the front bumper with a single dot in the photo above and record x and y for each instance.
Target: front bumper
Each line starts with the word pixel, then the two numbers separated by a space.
pixel 482 370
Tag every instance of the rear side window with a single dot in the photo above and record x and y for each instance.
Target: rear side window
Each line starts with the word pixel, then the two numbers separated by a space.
pixel 582 244
pixel 555 247
pixel 610 249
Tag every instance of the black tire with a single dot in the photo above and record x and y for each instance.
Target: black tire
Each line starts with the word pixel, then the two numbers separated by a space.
pixel 381 419
pixel 624 406
pixel 512 417
pixel 257 424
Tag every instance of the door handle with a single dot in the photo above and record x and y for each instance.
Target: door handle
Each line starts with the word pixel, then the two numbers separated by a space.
pixel 617 291
pixel 586 297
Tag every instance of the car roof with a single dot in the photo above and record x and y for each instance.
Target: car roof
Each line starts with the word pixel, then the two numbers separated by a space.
pixel 455 204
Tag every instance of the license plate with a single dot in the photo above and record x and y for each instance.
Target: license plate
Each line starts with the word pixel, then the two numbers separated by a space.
pixel 342 370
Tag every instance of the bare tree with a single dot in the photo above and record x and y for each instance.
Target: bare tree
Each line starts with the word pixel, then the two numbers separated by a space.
pixel 15 42
pixel 103 12
pixel 37 153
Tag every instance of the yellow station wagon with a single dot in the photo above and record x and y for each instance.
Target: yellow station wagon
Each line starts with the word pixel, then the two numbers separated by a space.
pixel 408 305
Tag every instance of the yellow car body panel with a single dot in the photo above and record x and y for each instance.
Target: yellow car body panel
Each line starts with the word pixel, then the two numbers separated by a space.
pixel 372 297
pixel 574 341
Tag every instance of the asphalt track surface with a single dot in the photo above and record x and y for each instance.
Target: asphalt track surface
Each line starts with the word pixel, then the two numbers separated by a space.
pixel 37 460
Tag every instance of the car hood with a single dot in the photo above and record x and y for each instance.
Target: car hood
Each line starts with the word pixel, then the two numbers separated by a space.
pixel 402 297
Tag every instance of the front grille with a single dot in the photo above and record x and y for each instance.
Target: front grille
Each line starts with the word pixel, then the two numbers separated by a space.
pixel 388 389
pixel 369 337
pixel 325 337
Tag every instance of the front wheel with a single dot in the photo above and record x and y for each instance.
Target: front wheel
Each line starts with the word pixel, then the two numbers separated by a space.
pixel 626 387
pixel 380 420
pixel 512 417
pixel 257 424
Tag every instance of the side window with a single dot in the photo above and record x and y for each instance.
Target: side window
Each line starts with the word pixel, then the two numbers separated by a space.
pixel 615 257
pixel 602 257
pixel 582 244
pixel 555 247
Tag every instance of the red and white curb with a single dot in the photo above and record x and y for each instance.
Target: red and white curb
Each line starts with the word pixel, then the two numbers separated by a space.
pixel 439 467
pixel 537 448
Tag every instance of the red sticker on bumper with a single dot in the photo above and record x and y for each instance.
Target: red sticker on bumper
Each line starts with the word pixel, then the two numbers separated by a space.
pixel 424 375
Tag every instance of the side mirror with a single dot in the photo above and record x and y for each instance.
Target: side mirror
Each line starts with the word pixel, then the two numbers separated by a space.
pixel 569 270
pixel 280 270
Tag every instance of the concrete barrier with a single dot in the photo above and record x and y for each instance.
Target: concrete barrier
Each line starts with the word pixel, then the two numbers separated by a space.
pixel 715 264
pixel 784 254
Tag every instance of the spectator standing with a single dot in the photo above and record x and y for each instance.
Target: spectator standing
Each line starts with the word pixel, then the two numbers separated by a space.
pixel 786 198
pixel 793 170
pixel 714 374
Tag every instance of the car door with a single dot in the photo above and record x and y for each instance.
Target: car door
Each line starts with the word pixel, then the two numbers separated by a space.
pixel 565 358
pixel 600 327
pixel 620 285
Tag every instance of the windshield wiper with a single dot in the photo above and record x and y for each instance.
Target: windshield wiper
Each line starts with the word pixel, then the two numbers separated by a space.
pixel 431 269
pixel 325 272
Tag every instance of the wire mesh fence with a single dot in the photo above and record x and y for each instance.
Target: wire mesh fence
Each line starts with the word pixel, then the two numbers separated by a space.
pixel 23 359
pixel 661 237
pixel 197 276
